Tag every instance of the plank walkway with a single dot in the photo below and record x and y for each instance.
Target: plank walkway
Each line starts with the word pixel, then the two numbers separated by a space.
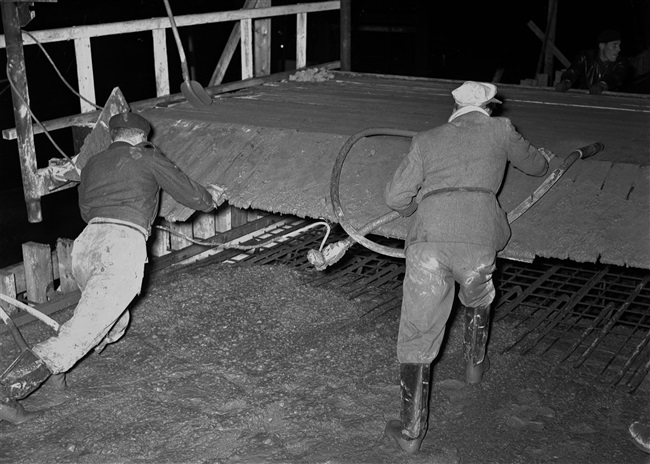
pixel 274 147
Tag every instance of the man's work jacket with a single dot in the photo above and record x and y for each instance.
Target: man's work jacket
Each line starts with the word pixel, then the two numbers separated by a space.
pixel 469 152
pixel 124 182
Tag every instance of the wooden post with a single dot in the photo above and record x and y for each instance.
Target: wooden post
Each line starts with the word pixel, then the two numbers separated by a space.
pixel 17 74
pixel 8 287
pixel 223 218
pixel 203 225
pixel 39 274
pixel 548 52
pixel 177 242
pixel 159 242
pixel 64 257
pixel 346 33
pixel 262 56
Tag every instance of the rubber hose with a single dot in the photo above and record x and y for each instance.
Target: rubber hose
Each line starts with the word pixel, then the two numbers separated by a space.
pixel 358 235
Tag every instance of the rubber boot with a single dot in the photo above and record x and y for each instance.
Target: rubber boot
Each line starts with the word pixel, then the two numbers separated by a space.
pixel 12 411
pixel 641 436
pixel 477 327
pixel 24 375
pixel 409 431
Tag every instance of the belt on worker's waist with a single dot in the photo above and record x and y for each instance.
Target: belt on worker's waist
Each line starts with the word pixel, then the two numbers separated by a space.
pixel 457 189
pixel 117 222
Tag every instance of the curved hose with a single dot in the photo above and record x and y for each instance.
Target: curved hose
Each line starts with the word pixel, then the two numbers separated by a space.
pixel 358 235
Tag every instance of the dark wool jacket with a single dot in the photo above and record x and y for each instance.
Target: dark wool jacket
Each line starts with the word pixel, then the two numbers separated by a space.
pixel 470 151
pixel 124 182
pixel 588 69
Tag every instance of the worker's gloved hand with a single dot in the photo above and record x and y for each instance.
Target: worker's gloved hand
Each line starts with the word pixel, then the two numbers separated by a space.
pixel 563 85
pixel 63 170
pixel 218 194
pixel 548 154
pixel 598 88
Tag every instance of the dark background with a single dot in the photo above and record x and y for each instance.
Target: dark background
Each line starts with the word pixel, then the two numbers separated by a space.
pixel 463 40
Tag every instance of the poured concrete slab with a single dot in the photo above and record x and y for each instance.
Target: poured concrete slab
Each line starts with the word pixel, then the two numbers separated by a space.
pixel 274 146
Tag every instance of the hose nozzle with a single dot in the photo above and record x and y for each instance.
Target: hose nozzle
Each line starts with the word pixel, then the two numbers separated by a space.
pixel 331 254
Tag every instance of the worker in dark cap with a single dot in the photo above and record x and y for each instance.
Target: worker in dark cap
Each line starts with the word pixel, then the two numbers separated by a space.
pixel 449 181
pixel 119 193
pixel 599 69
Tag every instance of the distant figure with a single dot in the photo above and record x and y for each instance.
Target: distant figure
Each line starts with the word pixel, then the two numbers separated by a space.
pixel 598 69
pixel 119 194
pixel 641 435
pixel 450 179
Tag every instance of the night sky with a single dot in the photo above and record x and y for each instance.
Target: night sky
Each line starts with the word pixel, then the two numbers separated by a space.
pixel 451 40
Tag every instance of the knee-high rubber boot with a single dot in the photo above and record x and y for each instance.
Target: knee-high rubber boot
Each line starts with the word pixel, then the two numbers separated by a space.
pixel 477 327
pixel 409 431
pixel 24 375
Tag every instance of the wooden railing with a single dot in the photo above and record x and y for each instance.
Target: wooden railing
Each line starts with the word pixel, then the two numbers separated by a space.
pixel 34 186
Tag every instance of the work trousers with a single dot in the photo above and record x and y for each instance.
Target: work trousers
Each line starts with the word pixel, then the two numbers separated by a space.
pixel 107 264
pixel 429 289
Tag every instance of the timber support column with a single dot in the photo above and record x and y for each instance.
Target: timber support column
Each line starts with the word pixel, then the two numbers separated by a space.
pixel 14 14
pixel 346 35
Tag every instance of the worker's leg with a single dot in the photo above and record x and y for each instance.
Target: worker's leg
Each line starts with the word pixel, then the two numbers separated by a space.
pixel 428 295
pixel 473 270
pixel 108 263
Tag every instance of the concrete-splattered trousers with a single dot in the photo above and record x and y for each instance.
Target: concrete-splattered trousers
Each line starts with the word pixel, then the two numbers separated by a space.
pixel 429 289
pixel 107 263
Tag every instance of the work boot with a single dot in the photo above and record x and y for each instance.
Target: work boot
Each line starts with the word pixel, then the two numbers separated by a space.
pixel 12 411
pixel 641 436
pixel 24 375
pixel 409 431
pixel 477 328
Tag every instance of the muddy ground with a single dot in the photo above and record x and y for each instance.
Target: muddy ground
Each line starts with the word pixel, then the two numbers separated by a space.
pixel 229 363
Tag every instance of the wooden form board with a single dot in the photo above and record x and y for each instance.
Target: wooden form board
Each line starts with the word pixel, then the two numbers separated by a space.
pixel 274 147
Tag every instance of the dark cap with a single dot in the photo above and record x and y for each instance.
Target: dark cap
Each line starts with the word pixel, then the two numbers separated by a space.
pixel 130 120
pixel 610 35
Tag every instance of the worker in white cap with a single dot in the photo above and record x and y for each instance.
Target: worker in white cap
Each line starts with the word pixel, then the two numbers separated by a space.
pixel 119 195
pixel 450 179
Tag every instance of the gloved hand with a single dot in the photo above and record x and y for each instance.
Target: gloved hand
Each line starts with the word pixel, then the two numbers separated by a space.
pixel 218 194
pixel 63 170
pixel 563 85
pixel 598 88
pixel 548 154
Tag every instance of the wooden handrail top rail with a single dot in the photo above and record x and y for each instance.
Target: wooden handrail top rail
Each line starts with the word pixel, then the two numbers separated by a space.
pixel 98 30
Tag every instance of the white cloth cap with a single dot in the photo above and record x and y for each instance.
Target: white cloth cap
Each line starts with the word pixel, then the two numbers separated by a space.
pixel 475 94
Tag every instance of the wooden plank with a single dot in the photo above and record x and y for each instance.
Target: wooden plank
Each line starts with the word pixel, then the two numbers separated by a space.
pixel 262 40
pixel 176 242
pixel 203 225
pixel 64 254
pixel 160 63
pixel 301 40
pixel 159 242
pixel 39 274
pixel 85 76
pixel 246 28
pixel 223 218
pixel 8 287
